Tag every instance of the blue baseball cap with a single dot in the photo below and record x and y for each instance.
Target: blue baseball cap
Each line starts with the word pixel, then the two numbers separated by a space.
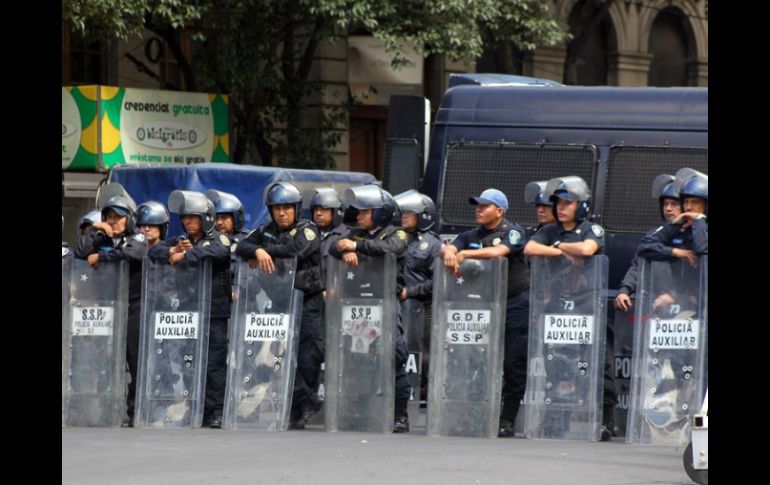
pixel 491 196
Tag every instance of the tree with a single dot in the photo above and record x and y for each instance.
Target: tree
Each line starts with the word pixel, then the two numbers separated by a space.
pixel 260 52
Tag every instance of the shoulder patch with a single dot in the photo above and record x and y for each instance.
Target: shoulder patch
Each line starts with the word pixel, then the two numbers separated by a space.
pixel 139 236
pixel 597 230
pixel 293 232
pixel 401 234
pixel 496 241
pixel 309 234
pixel 514 237
pixel 224 240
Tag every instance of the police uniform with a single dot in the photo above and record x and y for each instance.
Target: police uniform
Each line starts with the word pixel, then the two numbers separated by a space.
pixel 131 246
pixel 658 244
pixel 303 242
pixel 378 242
pixel 517 308
pixel 328 239
pixel 585 230
pixel 217 247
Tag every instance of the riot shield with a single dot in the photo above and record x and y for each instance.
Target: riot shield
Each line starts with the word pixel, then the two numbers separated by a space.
pixel 467 332
pixel 66 269
pixel 670 367
pixel 361 330
pixel 173 344
pixel 622 361
pixel 413 320
pixel 262 354
pixel 566 347
pixel 94 388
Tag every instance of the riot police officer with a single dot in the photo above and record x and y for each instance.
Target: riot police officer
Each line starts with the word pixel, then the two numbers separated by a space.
pixel 89 219
pixel 574 236
pixel 230 217
pixel 287 237
pixel 375 236
pixel 113 239
pixel 418 217
pixel 202 241
pixel 152 219
pixel 534 193
pixel 328 213
pixel 663 189
pixel 686 236
pixel 498 237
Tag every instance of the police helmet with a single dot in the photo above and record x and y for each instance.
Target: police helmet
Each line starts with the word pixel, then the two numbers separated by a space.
pixel 283 193
pixel 327 198
pixel 412 201
pixel 664 187
pixel 226 203
pixel 91 217
pixel 570 188
pixel 534 193
pixel 188 202
pixel 372 197
pixel 153 213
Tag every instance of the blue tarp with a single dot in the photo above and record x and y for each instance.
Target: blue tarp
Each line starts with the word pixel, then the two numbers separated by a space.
pixel 247 182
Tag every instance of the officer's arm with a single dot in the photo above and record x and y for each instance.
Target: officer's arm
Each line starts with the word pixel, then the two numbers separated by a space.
pixel 299 245
pixel 586 248
pixel 700 237
pixel 540 243
pixel 656 245
pixel 628 285
pixel 333 251
pixel 216 250
pixel 134 249
pixel 394 243
pixel 486 253
pixel 459 243
pixel 159 252
pixel 85 245
pixel 248 246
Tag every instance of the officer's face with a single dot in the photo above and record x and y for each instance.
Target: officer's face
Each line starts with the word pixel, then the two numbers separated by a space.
pixel 365 220
pixel 283 215
pixel 192 225
pixel 671 208
pixel 323 217
pixel 117 222
pixel 152 233
pixel 566 209
pixel 544 214
pixel 694 204
pixel 487 214
pixel 409 221
pixel 225 223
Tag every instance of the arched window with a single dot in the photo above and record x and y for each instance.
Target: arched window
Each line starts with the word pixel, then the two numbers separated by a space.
pixel 593 40
pixel 671 46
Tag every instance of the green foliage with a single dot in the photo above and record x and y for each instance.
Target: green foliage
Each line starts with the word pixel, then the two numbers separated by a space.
pixel 260 53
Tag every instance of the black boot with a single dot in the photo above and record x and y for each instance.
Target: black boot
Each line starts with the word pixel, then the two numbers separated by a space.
pixel 401 423
pixel 508 418
pixel 608 423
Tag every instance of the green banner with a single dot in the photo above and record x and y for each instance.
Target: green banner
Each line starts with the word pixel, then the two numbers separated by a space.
pixel 103 126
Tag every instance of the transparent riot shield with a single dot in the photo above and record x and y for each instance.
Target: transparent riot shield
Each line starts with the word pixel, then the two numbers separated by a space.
pixel 94 391
pixel 361 330
pixel 173 344
pixel 262 354
pixel 622 361
pixel 670 367
pixel 66 269
pixel 467 332
pixel 566 347
pixel 413 321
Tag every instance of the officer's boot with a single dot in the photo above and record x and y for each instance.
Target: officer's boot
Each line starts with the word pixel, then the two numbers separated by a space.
pixel 508 418
pixel 401 423
pixel 608 423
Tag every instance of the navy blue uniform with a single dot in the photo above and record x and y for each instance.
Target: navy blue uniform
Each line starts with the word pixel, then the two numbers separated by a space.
pixel 132 247
pixel 303 242
pixel 549 234
pixel 517 308
pixel 378 242
pixel 216 247
pixel 658 244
